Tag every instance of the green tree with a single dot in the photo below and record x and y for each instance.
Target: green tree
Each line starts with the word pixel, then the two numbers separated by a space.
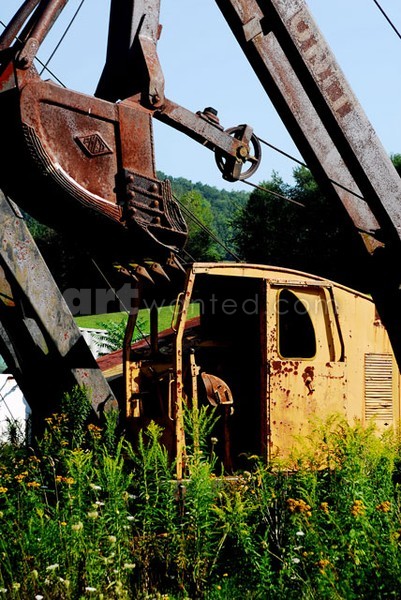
pixel 317 237
pixel 69 263
pixel 396 158
pixel 200 245
pixel 223 203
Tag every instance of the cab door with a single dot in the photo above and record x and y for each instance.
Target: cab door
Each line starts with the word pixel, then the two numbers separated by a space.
pixel 306 362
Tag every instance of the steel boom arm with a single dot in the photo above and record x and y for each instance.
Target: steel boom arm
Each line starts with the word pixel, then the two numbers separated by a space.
pixel 303 80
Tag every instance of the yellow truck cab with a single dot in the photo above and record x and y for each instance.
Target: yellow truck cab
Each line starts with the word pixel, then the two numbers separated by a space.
pixel 272 349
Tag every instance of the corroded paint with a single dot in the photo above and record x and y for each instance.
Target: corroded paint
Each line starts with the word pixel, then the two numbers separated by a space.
pixel 299 390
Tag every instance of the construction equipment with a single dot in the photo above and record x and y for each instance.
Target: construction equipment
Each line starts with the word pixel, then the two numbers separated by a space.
pixel 103 176
pixel 273 350
pixel 86 165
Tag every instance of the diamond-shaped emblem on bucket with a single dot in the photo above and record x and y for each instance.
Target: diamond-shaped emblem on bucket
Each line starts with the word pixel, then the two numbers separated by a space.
pixel 93 145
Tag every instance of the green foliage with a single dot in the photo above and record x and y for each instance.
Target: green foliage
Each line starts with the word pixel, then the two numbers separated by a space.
pixel 77 407
pixel 110 432
pixel 221 204
pixel 69 262
pixel 199 425
pixel 165 316
pixel 396 160
pixel 107 520
pixel 114 331
pixel 200 245
pixel 316 237
pixel 64 521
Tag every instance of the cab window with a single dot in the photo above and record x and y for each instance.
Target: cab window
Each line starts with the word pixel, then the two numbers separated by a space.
pixel 296 334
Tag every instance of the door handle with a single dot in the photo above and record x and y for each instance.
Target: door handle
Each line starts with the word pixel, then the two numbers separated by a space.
pixel 308 383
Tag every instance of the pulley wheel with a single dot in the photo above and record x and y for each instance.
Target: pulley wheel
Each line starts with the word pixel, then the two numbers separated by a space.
pixel 254 157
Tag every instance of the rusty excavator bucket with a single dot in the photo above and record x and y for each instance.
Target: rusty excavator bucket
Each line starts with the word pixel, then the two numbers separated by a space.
pixel 85 165
pixel 81 164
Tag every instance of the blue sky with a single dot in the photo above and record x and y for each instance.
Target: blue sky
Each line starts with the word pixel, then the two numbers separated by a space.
pixel 204 66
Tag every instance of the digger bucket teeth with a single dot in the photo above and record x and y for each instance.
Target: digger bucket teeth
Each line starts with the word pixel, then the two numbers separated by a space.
pixel 140 271
pixel 155 267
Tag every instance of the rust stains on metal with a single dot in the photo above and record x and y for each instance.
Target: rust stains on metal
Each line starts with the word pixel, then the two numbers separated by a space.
pixel 309 373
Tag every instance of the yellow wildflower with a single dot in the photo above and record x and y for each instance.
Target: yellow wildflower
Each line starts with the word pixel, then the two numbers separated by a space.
pixel 95 431
pixel 3 490
pixel 299 506
pixel 68 480
pixel 358 508
pixel 384 506
pixel 33 484
pixel 322 564
pixel 324 506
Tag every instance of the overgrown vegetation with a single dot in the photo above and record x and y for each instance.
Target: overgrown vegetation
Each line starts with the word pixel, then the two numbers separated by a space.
pixel 112 336
pixel 84 514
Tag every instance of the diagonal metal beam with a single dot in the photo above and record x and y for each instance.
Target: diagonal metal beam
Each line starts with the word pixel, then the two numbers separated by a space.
pixel 300 74
pixel 38 333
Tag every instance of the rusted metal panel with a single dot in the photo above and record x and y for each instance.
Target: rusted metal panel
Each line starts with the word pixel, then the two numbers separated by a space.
pixel 132 65
pixel 137 150
pixel 308 379
pixel 301 393
pixel 60 124
pixel 78 149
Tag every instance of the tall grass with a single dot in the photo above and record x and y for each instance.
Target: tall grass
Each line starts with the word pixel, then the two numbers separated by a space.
pixel 84 514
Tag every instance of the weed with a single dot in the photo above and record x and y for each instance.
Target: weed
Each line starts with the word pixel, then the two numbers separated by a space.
pixel 86 515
